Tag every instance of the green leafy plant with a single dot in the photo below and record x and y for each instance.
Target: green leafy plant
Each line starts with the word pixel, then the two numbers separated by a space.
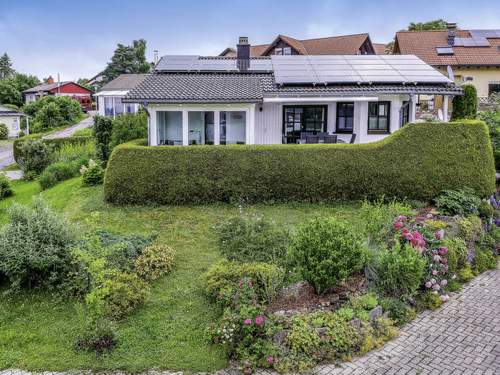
pixel 34 247
pixel 326 251
pixel 470 228
pixel 93 174
pixel 483 260
pixel 485 210
pixel 36 156
pixel 128 127
pixel 458 202
pixel 252 239
pixel 4 131
pixel 465 106
pixel 400 271
pixel 261 173
pixel 428 301
pixel 98 336
pixel 5 187
pixel 154 262
pixel 57 172
pixel 457 254
pixel 398 311
pixel 103 127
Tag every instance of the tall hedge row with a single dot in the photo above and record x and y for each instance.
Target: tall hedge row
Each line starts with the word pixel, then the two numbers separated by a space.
pixel 55 142
pixel 416 162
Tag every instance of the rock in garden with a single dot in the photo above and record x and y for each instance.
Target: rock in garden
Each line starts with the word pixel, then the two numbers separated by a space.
pixel 375 313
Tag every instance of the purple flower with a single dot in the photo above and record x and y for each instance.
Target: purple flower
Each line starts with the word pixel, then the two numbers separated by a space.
pixel 270 360
pixel 439 234
pixel 437 258
pixel 259 320
pixel 443 250
pixel 428 284
pixel 436 287
pixel 444 282
pixel 248 322
pixel 434 272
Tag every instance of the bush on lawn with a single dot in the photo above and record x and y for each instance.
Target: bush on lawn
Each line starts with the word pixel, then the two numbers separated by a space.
pixel 417 162
pixel 52 112
pixel 327 251
pixel 117 297
pixel 93 174
pixel 223 279
pixel 99 336
pixel 155 262
pixel 37 155
pixel 458 202
pixel 252 239
pixel 128 127
pixel 103 128
pixel 34 247
pixel 4 131
pixel 465 106
pixel 5 188
pixel 57 172
pixel 492 119
pixel 400 271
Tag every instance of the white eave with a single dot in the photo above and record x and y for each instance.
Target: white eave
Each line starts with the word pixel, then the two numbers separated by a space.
pixel 316 99
pixel 112 93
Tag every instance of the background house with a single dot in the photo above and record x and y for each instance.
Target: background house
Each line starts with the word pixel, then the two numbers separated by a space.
pixel 109 98
pixel 12 119
pixel 356 44
pixel 67 88
pixel 472 55
pixel 283 99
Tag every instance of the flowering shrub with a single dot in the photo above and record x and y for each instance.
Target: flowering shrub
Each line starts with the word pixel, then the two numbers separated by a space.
pixel 93 174
pixel 5 188
pixel 155 262
pixel 458 202
pixel 413 231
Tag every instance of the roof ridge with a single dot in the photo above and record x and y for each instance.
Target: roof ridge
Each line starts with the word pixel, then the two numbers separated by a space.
pixel 334 36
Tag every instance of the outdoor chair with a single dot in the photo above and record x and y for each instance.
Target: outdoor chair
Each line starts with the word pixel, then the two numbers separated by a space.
pixel 312 139
pixel 330 138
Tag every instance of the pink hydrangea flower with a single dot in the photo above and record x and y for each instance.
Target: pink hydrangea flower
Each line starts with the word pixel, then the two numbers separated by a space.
pixel 259 320
pixel 438 235
pixel 248 322
pixel 436 287
pixel 428 284
pixel 444 282
pixel 270 360
pixel 437 258
pixel 434 272
pixel 398 225
pixel 443 250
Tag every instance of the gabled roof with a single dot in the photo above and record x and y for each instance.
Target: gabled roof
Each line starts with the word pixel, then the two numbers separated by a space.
pixel 46 87
pixel 424 44
pixel 6 111
pixel 124 82
pixel 379 48
pixel 334 45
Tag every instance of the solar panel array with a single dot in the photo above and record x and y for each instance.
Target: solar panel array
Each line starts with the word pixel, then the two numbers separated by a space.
pixel 190 63
pixel 354 69
pixel 478 38
pixel 321 69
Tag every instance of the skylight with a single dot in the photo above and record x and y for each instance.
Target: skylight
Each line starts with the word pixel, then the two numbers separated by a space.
pixel 444 51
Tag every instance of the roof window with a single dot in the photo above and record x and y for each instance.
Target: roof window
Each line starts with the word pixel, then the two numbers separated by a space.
pixel 444 51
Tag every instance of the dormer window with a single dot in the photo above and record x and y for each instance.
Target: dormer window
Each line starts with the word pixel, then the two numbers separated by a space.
pixel 283 51
pixel 444 51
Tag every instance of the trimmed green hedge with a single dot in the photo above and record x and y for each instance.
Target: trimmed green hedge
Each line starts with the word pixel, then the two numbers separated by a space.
pixel 56 142
pixel 418 162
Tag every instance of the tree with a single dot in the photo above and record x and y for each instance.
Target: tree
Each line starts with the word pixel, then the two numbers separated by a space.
pixel 6 69
pixel 127 59
pixel 439 24
pixel 85 83
pixel 11 88
pixel 465 106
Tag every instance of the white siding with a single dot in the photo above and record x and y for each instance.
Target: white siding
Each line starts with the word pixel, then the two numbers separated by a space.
pixel 13 124
pixel 269 123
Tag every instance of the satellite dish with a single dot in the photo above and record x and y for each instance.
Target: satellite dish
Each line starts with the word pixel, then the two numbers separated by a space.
pixel 450 73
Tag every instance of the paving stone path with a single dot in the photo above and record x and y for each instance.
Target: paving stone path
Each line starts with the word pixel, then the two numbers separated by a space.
pixel 462 337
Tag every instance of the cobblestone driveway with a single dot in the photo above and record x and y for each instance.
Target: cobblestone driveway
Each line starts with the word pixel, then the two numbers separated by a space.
pixel 463 337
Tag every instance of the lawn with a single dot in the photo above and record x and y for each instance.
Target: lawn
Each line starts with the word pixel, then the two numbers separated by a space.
pixel 169 332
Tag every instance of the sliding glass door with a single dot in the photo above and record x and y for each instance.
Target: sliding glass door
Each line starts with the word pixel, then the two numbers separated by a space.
pixel 201 128
pixel 303 119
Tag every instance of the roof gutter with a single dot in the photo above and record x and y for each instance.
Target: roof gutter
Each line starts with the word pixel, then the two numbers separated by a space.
pixel 282 99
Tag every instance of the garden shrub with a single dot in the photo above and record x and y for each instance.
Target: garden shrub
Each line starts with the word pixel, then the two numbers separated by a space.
pixel 93 174
pixel 492 119
pixel 103 127
pixel 458 202
pixel 485 210
pixel 36 157
pixel 428 300
pixel 5 188
pixel 4 131
pixel 34 247
pixel 470 228
pixel 465 274
pixel 57 172
pixel 465 106
pixel 327 251
pixel 128 127
pixel 252 239
pixel 99 336
pixel 375 335
pixel 483 260
pixel 117 296
pixel 221 281
pixel 154 262
pixel 51 112
pixel 378 218
pixel 457 254
pixel 416 162
pixel 398 311
pixel 400 271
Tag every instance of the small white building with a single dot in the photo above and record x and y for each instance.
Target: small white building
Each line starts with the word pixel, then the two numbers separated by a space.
pixel 109 98
pixel 284 99
pixel 12 119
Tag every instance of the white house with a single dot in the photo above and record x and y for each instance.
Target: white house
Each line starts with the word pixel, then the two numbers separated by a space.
pixel 109 98
pixel 12 119
pixel 284 99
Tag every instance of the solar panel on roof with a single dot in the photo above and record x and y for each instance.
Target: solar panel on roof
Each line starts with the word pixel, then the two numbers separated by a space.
pixel 197 63
pixel 444 50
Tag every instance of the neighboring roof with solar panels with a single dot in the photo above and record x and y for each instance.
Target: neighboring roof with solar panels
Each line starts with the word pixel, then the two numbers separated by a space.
pixel 467 48
pixel 195 79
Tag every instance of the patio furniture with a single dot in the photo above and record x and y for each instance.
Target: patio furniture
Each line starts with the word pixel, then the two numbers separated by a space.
pixel 353 138
pixel 312 139
pixel 330 138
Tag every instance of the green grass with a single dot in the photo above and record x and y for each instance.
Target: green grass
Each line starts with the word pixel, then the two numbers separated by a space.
pixel 85 132
pixel 38 330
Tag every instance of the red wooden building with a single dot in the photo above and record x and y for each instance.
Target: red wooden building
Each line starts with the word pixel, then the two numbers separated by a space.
pixel 67 88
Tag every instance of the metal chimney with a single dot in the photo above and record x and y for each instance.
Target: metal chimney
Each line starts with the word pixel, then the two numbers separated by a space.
pixel 451 27
pixel 243 54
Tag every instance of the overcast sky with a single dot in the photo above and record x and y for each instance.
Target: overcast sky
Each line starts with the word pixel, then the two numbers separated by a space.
pixel 77 38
